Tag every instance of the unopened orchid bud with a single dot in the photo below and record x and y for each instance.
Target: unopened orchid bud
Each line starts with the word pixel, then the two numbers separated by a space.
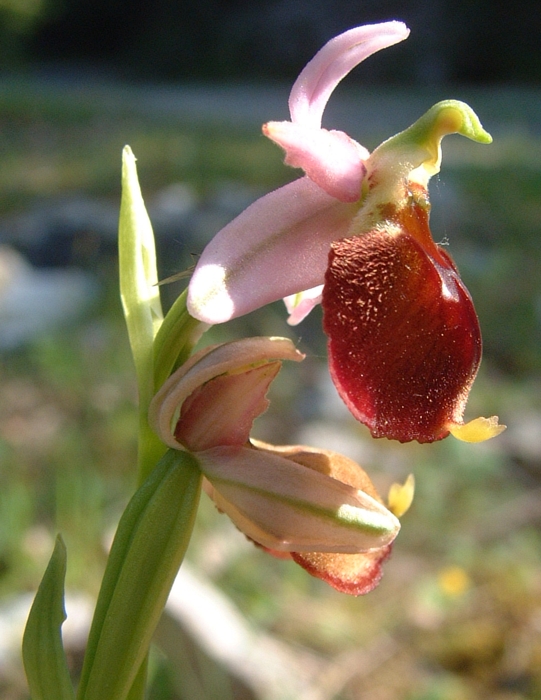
pixel 285 505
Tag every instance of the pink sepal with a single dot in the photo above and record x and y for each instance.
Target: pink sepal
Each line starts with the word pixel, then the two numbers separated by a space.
pixel 278 246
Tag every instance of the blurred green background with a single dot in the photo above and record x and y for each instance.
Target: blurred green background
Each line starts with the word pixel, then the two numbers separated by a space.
pixel 458 613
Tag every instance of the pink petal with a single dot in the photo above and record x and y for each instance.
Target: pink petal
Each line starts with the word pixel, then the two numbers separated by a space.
pixel 333 62
pixel 278 246
pixel 331 159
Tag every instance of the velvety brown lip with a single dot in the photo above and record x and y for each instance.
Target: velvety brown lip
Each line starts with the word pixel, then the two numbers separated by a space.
pixel 404 339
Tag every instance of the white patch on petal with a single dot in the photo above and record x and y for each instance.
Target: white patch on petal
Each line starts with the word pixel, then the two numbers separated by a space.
pixel 208 298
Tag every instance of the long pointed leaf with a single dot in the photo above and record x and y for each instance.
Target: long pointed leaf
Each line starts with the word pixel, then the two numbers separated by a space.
pixel 140 296
pixel 138 273
pixel 43 653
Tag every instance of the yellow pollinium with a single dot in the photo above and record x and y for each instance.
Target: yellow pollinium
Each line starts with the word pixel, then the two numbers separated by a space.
pixel 477 430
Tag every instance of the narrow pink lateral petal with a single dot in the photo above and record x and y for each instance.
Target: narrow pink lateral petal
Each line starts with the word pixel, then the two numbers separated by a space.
pixel 333 62
pixel 278 246
pixel 331 159
pixel 299 305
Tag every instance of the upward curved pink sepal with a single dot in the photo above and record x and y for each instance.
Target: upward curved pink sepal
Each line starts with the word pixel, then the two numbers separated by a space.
pixel 333 62
pixel 331 159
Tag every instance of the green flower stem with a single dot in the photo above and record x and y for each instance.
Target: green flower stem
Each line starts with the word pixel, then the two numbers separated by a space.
pixel 43 653
pixel 149 546
pixel 156 527
pixel 173 344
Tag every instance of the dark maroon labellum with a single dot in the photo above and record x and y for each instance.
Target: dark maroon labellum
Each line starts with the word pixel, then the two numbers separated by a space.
pixel 404 339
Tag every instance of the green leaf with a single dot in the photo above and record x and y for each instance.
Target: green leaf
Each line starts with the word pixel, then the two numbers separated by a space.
pixel 43 653
pixel 149 546
pixel 138 688
pixel 140 296
pixel 138 273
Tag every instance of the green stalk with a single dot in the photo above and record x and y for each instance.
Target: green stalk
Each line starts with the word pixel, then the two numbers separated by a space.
pixel 151 540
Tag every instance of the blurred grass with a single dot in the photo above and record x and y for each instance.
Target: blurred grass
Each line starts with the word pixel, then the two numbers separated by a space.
pixel 54 143
pixel 458 614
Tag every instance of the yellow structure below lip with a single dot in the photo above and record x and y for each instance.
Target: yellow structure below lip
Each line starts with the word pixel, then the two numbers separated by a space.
pixel 401 496
pixel 477 430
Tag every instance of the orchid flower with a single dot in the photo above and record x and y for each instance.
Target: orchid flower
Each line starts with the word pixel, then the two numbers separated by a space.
pixel 314 506
pixel 403 336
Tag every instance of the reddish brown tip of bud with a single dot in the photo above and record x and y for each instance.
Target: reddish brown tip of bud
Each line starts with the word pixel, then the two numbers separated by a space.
pixel 355 574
